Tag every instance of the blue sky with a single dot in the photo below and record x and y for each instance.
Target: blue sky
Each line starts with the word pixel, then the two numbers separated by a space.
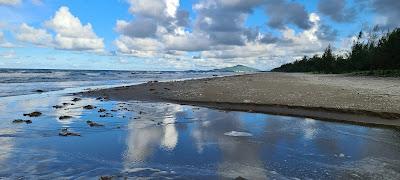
pixel 179 35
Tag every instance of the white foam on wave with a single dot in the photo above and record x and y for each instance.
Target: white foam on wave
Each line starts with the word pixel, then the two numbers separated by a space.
pixel 238 134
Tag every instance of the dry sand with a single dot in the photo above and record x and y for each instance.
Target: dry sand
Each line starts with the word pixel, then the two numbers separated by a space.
pixel 365 100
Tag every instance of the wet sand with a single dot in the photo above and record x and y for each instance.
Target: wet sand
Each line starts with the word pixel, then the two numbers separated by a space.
pixel 361 100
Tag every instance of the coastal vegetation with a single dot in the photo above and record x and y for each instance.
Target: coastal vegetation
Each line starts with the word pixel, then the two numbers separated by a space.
pixel 372 53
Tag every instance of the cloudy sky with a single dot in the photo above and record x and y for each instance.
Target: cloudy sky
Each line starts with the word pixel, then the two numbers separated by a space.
pixel 180 35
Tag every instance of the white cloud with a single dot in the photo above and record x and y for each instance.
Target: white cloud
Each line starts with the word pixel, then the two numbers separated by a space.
pixel 71 34
pixel 158 9
pixel 10 2
pixel 258 49
pixel 35 36
pixel 8 54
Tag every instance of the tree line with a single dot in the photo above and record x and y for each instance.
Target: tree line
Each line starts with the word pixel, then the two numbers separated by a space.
pixel 369 52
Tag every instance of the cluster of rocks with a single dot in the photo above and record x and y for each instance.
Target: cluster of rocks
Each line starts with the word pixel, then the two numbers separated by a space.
pixel 90 123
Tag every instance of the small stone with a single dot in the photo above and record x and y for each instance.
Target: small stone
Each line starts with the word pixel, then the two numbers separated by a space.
pixel 64 117
pixel 65 132
pixel 22 121
pixel 93 124
pixel 106 178
pixel 57 106
pixel 102 110
pixel 39 91
pixel 76 99
pixel 89 107
pixel 33 114
pixel 240 178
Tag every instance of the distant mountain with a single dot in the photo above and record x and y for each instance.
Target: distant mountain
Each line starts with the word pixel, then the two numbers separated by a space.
pixel 237 68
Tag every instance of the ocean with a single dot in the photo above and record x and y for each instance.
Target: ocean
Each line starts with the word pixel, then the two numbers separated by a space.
pixel 15 82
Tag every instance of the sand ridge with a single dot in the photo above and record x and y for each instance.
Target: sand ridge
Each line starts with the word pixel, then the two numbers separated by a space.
pixel 369 100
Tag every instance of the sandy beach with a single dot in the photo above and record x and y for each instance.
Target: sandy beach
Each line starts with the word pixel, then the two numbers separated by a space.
pixel 364 100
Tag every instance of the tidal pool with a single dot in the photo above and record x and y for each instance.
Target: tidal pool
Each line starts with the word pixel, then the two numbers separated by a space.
pixel 165 140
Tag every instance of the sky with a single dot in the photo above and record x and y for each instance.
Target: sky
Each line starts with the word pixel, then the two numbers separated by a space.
pixel 181 35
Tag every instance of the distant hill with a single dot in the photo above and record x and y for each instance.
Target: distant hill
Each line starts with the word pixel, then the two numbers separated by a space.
pixel 237 68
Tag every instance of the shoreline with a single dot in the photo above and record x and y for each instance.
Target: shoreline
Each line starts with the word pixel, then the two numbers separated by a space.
pixel 340 98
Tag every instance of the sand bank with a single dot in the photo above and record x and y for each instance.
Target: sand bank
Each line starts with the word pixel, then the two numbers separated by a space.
pixel 365 100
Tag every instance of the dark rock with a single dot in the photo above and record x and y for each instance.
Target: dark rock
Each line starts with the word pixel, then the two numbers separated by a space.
pixel 58 106
pixel 93 124
pixel 76 99
pixel 64 117
pixel 102 110
pixel 114 110
pixel 152 89
pixel 39 91
pixel 65 132
pixel 107 178
pixel 33 114
pixel 240 178
pixel 89 107
pixel 22 121
pixel 167 89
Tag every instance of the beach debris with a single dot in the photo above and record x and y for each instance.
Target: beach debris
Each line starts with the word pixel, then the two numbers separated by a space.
pixel 76 99
pixel 33 114
pixel 89 107
pixel 102 110
pixel 16 121
pixel 94 124
pixel 64 117
pixel 237 134
pixel 65 132
pixel 58 106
